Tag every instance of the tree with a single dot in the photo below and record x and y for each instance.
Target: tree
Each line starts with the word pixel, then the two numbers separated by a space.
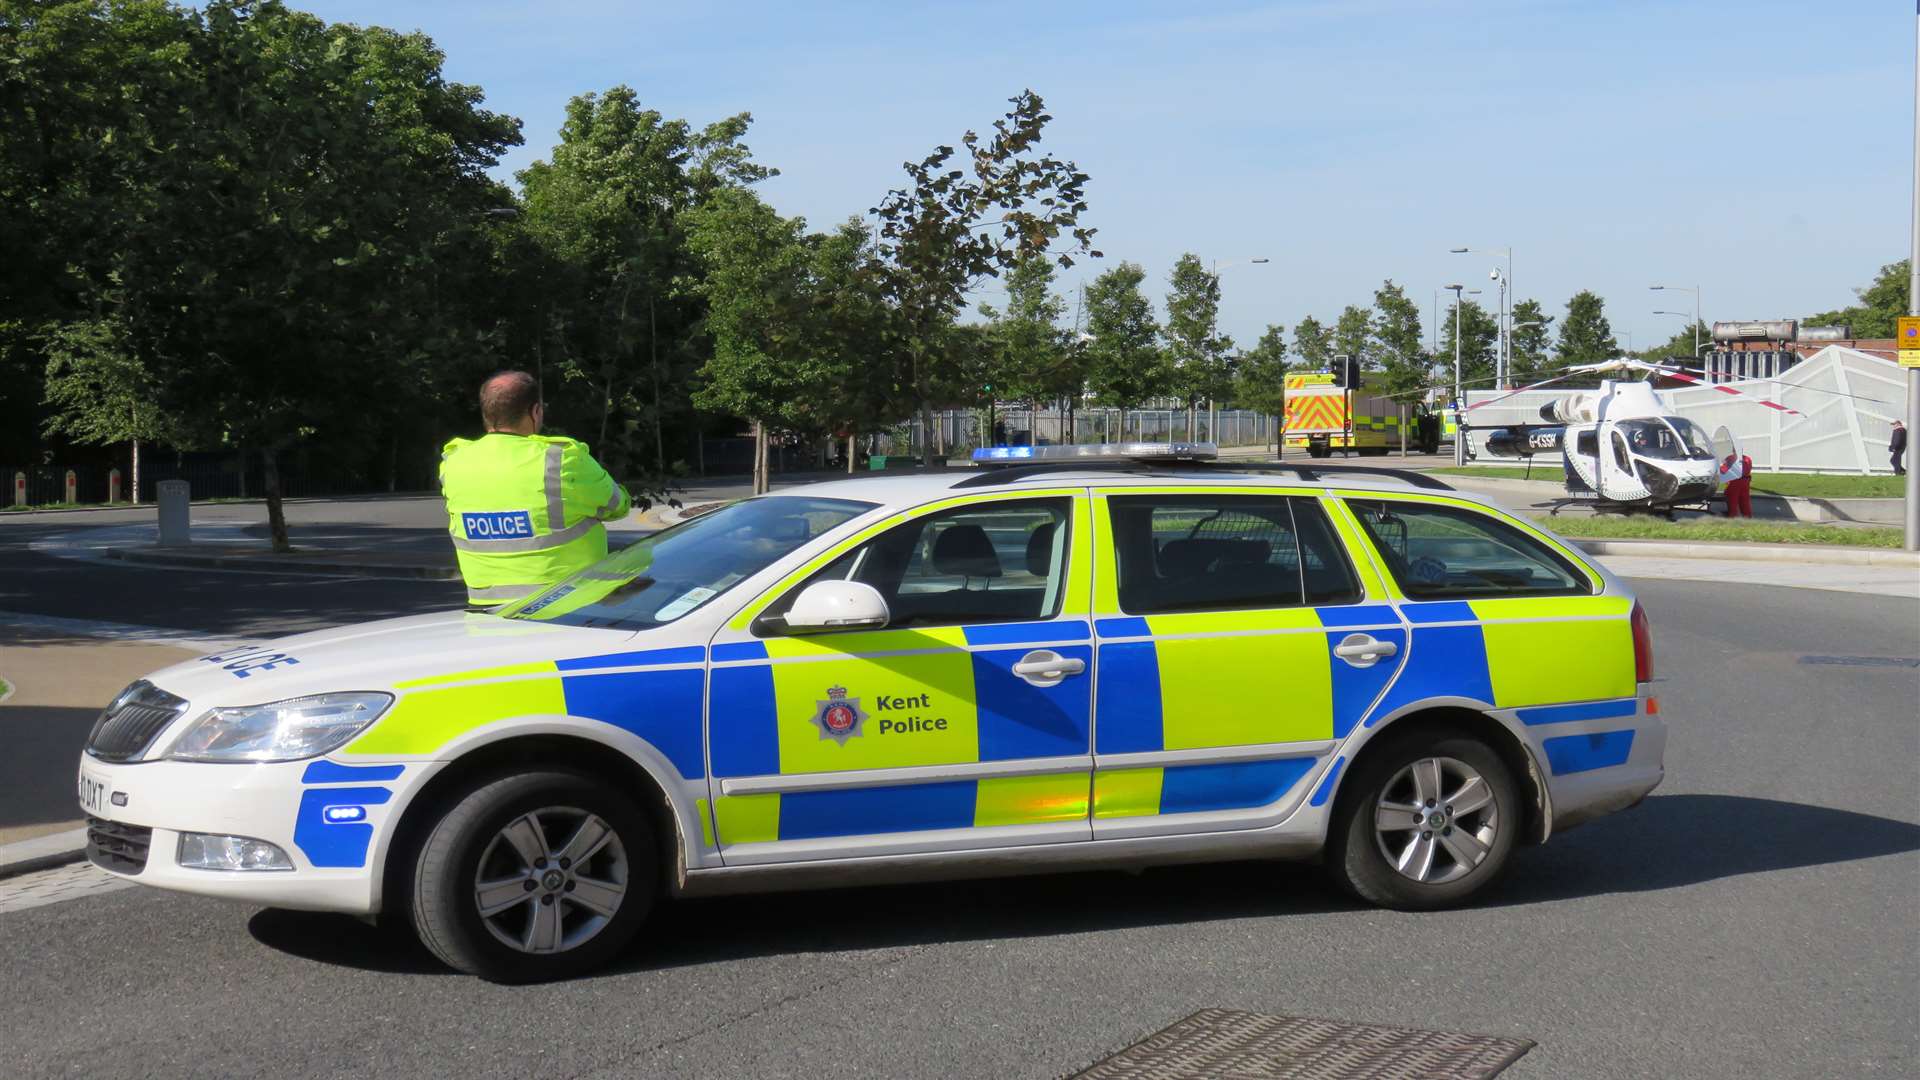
pixel 1478 333
pixel 313 178
pixel 1679 347
pixel 1353 335
pixel 1126 365
pixel 1199 354
pixel 1531 329
pixel 1260 376
pixel 100 392
pixel 1585 335
pixel 1880 307
pixel 1404 363
pixel 1026 354
pixel 950 227
pixel 609 212
pixel 1313 344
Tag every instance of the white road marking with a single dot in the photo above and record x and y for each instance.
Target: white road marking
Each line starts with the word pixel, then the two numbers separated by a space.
pixel 60 884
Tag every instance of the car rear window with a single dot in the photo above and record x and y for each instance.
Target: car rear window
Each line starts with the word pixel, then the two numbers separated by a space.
pixel 1436 551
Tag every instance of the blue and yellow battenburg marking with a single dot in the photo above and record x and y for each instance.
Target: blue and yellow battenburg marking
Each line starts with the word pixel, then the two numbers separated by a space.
pixel 330 828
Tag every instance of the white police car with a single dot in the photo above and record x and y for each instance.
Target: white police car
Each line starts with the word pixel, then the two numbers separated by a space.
pixel 1050 665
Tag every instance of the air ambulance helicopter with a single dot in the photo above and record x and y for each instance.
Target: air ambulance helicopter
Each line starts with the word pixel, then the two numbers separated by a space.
pixel 1622 451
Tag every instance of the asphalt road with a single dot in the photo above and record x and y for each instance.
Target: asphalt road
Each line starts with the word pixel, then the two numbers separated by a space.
pixel 1753 918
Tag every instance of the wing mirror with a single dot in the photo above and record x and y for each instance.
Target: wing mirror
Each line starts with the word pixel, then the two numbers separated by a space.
pixel 837 605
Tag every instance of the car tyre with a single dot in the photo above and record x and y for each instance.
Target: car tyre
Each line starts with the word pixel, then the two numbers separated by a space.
pixel 1469 814
pixel 534 877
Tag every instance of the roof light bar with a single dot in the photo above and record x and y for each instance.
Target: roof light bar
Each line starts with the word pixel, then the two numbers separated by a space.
pixel 1120 451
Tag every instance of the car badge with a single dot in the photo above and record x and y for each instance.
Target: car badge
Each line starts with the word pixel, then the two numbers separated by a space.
pixel 839 717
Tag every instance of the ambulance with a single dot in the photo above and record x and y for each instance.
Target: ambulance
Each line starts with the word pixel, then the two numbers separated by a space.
pixel 1072 657
pixel 1322 416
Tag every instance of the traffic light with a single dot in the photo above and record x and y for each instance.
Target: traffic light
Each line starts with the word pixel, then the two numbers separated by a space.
pixel 1346 371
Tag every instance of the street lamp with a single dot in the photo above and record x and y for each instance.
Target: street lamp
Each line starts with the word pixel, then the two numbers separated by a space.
pixel 1503 364
pixel 1459 435
pixel 1695 290
pixel 1213 407
pixel 1696 328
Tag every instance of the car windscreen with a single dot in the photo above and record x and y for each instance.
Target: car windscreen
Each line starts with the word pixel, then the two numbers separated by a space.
pixel 672 573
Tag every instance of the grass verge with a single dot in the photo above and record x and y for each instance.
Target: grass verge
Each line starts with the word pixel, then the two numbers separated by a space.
pixel 1803 485
pixel 1613 527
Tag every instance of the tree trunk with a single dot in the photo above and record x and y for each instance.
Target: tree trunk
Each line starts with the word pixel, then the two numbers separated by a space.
pixel 659 417
pixel 276 512
pixel 760 479
pixel 850 450
pixel 393 463
pixel 243 472
pixel 926 431
pixel 136 473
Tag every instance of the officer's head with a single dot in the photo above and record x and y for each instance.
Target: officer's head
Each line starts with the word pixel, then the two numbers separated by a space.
pixel 510 403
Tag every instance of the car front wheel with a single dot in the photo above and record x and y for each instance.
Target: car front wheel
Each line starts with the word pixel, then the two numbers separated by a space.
pixel 534 877
pixel 1425 823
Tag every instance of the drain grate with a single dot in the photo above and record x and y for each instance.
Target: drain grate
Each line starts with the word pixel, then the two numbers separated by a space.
pixel 1864 661
pixel 1224 1044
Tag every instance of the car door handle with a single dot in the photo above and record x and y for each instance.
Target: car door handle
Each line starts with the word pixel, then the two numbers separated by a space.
pixel 1361 650
pixel 1044 667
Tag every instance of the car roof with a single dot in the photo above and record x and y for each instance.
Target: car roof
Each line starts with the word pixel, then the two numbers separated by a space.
pixel 910 487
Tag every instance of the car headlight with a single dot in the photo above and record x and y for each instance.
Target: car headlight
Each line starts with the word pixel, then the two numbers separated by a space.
pixel 280 731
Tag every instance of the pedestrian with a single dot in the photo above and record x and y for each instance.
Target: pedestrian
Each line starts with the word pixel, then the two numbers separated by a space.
pixel 1736 473
pixel 1897 445
pixel 525 509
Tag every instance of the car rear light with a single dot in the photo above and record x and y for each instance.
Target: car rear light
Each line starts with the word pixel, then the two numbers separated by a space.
pixel 1642 645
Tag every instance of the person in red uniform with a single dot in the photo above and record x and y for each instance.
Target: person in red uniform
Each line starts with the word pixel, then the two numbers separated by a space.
pixel 1736 473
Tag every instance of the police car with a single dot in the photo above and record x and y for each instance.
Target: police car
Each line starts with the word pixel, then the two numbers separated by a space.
pixel 1123 655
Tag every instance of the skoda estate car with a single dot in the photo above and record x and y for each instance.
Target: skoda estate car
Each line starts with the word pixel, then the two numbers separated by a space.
pixel 1125 657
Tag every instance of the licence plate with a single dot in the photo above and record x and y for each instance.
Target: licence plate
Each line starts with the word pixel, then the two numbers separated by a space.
pixel 93 794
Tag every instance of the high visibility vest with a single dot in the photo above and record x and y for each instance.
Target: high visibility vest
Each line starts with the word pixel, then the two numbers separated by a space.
pixel 525 511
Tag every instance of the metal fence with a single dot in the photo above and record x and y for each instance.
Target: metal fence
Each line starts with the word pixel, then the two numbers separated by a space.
pixel 212 476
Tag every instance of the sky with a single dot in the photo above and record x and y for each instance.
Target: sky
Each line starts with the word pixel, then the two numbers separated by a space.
pixel 1759 150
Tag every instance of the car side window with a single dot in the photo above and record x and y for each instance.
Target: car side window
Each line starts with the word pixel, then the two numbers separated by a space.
pixel 1221 552
pixel 1439 552
pixel 1003 561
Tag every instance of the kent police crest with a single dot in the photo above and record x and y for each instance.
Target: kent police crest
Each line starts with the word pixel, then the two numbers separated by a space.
pixel 839 717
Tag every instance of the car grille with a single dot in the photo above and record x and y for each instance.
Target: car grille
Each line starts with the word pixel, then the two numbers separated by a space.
pixel 126 728
pixel 115 846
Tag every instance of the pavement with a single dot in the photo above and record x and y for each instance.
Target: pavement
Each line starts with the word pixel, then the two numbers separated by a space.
pixel 1751 919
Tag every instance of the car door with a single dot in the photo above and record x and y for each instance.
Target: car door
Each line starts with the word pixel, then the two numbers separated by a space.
pixel 1237 643
pixel 964 723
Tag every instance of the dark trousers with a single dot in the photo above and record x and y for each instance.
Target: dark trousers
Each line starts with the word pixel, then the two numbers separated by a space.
pixel 1898 468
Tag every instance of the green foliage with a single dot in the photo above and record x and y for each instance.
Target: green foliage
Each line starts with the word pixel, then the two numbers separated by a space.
pixel 1679 347
pixel 1353 336
pixel 1260 375
pixel 1397 343
pixel 1479 335
pixel 1313 344
pixel 1532 330
pixel 950 227
pixel 1198 353
pixel 1880 307
pixel 1027 355
pixel 1126 364
pixel 1585 335
pixel 99 391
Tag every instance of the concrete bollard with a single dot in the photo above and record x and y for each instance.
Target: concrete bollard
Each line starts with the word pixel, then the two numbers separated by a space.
pixel 176 530
pixel 113 485
pixel 19 489
pixel 73 486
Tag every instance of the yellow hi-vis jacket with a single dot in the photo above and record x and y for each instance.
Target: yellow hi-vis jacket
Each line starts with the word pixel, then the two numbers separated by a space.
pixel 525 511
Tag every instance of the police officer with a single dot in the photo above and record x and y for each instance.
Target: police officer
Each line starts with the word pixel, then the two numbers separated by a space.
pixel 525 509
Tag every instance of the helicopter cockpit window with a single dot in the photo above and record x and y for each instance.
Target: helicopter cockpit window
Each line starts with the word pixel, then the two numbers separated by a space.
pixel 1439 552
pixel 1667 439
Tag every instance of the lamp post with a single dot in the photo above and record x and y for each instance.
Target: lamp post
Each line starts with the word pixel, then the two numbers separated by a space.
pixel 1696 329
pixel 1213 407
pixel 1459 434
pixel 1695 290
pixel 1503 364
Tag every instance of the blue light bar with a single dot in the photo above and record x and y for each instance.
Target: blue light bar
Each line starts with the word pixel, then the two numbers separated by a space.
pixel 1121 451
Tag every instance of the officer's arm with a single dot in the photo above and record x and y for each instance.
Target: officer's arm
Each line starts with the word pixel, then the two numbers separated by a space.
pixel 589 491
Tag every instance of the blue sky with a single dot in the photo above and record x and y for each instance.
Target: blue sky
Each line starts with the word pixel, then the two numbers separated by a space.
pixel 1758 149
